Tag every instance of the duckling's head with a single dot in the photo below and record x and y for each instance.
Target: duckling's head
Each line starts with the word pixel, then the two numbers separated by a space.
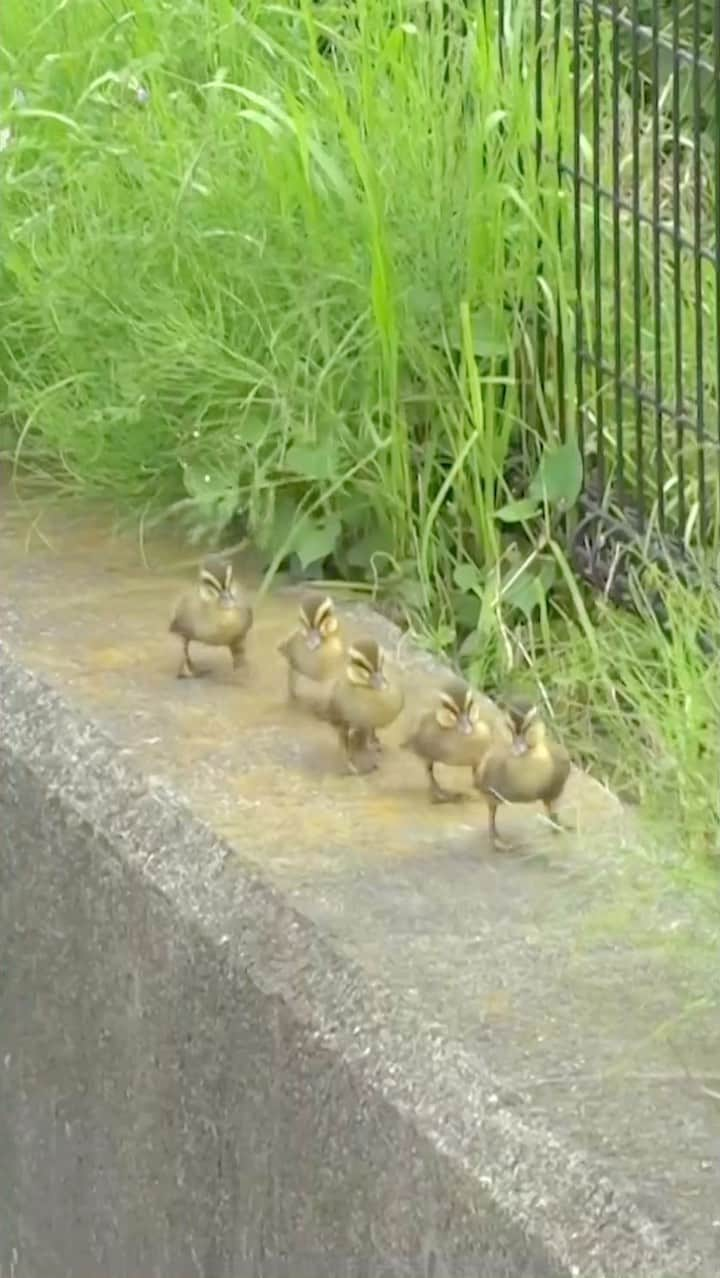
pixel 317 618
pixel 530 731
pixel 458 710
pixel 216 576
pixel 365 664
pixel 517 707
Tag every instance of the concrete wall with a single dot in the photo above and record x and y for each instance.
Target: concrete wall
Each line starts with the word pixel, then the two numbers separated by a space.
pixel 193 1083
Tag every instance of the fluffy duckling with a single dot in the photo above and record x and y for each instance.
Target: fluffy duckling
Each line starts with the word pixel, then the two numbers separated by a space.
pixel 458 733
pixel 532 767
pixel 363 700
pixel 214 612
pixel 315 650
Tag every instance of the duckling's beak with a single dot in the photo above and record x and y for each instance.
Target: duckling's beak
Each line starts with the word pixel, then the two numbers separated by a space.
pixel 314 639
pixel 226 599
pixel 378 680
pixel 464 725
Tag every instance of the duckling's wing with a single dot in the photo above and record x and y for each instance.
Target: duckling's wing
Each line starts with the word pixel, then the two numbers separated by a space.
pixel 561 771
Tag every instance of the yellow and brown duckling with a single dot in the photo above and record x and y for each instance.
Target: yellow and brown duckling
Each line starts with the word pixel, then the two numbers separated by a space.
pixel 531 768
pixel 363 700
pixel 315 650
pixel 458 733
pixel 215 612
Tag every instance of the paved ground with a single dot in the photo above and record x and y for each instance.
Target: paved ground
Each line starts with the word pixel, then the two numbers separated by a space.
pixel 567 967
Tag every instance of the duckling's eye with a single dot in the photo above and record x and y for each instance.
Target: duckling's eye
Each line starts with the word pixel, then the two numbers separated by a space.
pixel 211 584
pixel 446 717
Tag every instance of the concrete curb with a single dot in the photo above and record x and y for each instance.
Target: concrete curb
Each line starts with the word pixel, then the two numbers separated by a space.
pixel 195 1082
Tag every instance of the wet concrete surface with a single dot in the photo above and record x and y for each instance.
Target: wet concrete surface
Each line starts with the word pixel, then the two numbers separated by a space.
pixel 566 966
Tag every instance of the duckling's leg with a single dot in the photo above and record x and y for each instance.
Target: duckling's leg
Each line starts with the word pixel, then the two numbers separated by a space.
pixel 357 748
pixel 552 816
pixel 237 652
pixel 292 684
pixel 495 841
pixel 438 794
pixel 374 741
pixel 187 670
pixel 492 821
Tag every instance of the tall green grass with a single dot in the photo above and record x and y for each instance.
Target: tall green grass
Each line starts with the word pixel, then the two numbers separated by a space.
pixel 248 291
pixel 263 286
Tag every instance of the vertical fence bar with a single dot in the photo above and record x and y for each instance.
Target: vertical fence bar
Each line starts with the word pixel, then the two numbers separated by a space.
pixel 577 228
pixel 697 223
pixel 637 279
pixel 560 346
pixel 657 278
pixel 539 299
pixel 716 195
pixel 597 247
pixel 677 272
pixel 617 257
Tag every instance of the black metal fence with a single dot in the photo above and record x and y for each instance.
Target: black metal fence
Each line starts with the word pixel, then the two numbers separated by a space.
pixel 640 164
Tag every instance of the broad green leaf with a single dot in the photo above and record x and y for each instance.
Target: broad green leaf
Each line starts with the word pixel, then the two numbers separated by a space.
pixel 465 608
pixel 313 542
pixel 515 511
pixel 253 429
pixel 489 334
pixel 207 485
pixel 530 588
pixel 311 461
pixel 547 572
pixel 472 644
pixel 275 529
pixel 411 593
pixel 375 541
pixel 559 477
pixel 525 594
pixel 467 578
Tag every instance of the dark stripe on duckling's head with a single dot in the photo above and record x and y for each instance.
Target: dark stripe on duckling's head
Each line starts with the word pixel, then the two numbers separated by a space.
pixel 216 573
pixel 367 654
pixel 314 609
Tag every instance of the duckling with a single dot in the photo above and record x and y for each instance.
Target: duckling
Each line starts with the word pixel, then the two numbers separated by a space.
pixel 458 733
pixel 315 650
pixel 363 699
pixel 214 612
pixel 532 767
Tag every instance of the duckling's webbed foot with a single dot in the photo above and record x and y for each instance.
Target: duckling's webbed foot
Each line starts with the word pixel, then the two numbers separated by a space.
pixel 438 793
pixel 186 669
